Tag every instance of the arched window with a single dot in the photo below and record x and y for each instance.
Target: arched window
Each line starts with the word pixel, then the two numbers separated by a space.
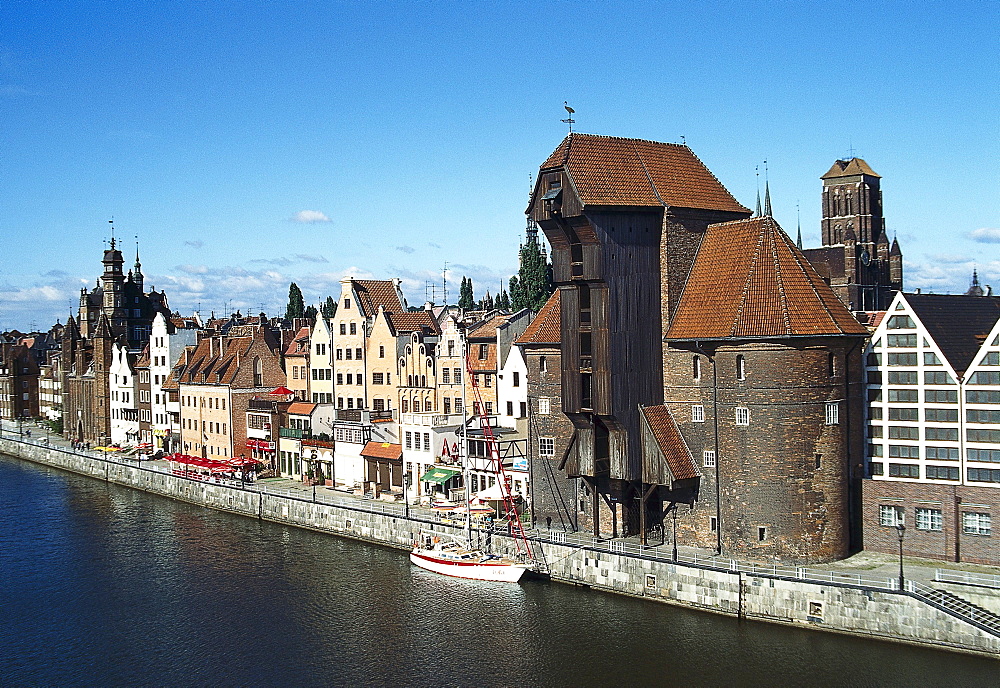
pixel 832 365
pixel 696 367
pixel 741 368
pixel 541 364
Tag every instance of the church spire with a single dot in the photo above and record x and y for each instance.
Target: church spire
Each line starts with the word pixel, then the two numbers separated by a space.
pixel 767 200
pixel 757 212
pixel 798 219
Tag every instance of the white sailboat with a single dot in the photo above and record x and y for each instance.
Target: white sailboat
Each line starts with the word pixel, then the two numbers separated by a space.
pixel 461 560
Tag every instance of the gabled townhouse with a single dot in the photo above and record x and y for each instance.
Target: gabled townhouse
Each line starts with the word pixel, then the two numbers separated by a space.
pixel 933 459
pixel 50 389
pixel 483 357
pixel 124 397
pixel 296 360
pixel 144 397
pixel 512 389
pixel 19 373
pixel 451 363
pixel 320 363
pixel 216 381
pixel 169 337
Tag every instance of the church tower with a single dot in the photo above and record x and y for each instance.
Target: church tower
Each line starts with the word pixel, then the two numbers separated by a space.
pixel 113 286
pixel 856 258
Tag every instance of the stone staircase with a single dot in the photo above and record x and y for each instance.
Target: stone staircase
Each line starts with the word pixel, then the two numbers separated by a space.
pixel 963 609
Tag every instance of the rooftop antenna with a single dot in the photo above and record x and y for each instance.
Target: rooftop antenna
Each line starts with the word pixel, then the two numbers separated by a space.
pixel 444 282
pixel 569 118
pixel 850 150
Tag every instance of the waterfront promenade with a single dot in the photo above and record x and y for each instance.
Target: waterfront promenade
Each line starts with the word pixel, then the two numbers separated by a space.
pixel 859 595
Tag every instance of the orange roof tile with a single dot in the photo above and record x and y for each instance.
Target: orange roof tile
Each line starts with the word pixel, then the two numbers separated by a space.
pixel 671 442
pixel 608 170
pixel 750 280
pixel 487 329
pixel 383 450
pixel 375 293
pixel 413 321
pixel 301 408
pixel 545 328
pixel 299 346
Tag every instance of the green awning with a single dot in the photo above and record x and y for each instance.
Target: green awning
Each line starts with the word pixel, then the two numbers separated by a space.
pixel 439 474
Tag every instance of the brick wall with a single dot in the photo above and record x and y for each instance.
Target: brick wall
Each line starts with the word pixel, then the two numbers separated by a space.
pixel 949 543
pixel 767 471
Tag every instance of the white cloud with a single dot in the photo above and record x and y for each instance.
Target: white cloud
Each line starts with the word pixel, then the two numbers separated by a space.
pixel 310 217
pixel 986 235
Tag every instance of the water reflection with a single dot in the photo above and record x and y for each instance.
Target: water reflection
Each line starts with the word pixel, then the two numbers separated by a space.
pixel 109 586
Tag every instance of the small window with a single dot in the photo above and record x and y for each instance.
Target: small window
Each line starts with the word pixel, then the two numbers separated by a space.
pixel 347 304
pixel 484 351
pixel 381 352
pixel 546 446
pixel 713 524
pixel 974 523
pixel 510 408
pixel 741 368
pixel 696 367
pixel 929 519
pixel 708 459
pixel 742 415
pixel 343 328
pixel 541 364
pixel 354 328
pixel 543 406
pixel 761 533
pixel 517 379
pixel 833 413
pixel 697 414
pixel 890 516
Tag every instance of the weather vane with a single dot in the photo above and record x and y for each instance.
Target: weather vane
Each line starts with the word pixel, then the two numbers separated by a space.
pixel 569 119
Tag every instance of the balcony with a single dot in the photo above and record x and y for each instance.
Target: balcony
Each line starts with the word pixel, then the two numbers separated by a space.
pixel 295 433
pixel 363 416
pixel 262 405
pixel 431 420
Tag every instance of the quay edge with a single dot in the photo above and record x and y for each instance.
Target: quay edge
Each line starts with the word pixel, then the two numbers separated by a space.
pixel 886 615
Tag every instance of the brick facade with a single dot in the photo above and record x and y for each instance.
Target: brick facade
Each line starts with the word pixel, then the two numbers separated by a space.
pixel 950 543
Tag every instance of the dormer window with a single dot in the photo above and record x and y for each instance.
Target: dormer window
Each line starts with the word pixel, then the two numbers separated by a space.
pixel 347 304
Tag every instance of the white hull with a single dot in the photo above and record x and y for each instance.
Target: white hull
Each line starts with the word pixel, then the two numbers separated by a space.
pixel 490 570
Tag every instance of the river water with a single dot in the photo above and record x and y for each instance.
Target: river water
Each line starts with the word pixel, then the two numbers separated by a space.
pixel 102 585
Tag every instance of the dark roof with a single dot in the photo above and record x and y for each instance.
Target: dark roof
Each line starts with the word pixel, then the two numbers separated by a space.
pixel 608 170
pixel 545 328
pixel 670 442
pixel 851 167
pixel 750 280
pixel 958 323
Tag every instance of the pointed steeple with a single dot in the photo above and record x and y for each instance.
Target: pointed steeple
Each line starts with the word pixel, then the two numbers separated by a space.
pixel 137 270
pixel 798 236
pixel 757 212
pixel 974 288
pixel 767 200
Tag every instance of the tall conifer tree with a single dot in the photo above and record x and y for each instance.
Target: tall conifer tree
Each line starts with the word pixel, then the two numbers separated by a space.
pixel 296 306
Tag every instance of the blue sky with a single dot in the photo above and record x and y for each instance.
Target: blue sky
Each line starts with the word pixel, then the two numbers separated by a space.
pixel 410 130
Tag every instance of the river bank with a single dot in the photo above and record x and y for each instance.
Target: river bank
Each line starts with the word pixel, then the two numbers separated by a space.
pixel 850 605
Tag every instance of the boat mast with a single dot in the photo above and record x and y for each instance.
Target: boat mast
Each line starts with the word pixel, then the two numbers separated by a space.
pixel 464 451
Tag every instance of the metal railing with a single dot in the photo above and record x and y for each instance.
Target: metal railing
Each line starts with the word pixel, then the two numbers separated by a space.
pixel 966 578
pixel 947 602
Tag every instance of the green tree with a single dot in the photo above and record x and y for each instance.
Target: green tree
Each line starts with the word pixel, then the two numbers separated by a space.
pixel 504 300
pixel 466 299
pixel 310 313
pixel 535 275
pixel 296 306
pixel 516 295
pixel 329 307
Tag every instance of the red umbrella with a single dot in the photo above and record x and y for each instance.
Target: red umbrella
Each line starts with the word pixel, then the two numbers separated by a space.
pixel 281 391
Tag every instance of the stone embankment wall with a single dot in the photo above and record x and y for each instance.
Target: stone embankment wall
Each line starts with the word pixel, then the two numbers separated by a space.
pixel 853 609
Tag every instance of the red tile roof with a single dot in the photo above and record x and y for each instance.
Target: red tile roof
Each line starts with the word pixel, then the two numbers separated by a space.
pixel 671 443
pixel 301 408
pixel 487 329
pixel 375 293
pixel 383 450
pixel 299 346
pixel 750 280
pixel 607 170
pixel 545 328
pixel 413 321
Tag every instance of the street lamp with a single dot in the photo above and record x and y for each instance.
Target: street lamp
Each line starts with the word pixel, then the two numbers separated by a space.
pixel 675 532
pixel 407 479
pixel 314 457
pixel 901 532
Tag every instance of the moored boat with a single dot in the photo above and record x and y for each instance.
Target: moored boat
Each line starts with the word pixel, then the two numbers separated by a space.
pixel 451 559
